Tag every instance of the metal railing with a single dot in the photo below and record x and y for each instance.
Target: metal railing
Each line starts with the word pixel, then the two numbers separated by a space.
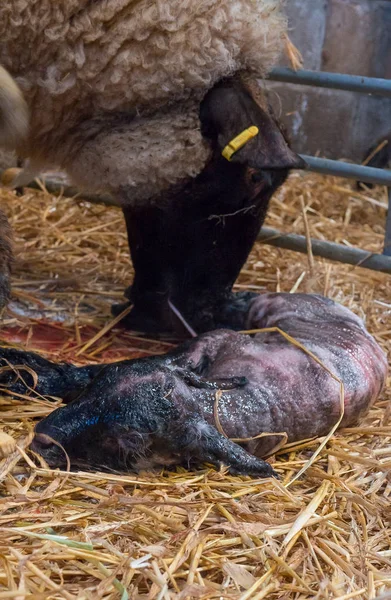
pixel 334 81
pixel 352 83
pixel 347 170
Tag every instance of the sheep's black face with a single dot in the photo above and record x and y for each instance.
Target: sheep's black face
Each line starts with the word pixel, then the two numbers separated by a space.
pixel 116 423
pixel 189 245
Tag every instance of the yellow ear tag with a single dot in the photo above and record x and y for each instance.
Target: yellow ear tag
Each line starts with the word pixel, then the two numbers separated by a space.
pixel 241 140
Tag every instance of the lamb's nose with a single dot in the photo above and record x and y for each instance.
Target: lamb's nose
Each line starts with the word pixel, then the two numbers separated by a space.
pixel 41 442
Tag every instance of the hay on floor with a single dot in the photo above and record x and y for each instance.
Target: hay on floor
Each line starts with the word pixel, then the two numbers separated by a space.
pixel 190 535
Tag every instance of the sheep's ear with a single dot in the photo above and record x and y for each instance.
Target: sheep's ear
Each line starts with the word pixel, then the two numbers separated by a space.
pixel 228 110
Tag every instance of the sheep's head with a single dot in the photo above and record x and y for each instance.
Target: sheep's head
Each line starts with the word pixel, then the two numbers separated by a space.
pixel 232 107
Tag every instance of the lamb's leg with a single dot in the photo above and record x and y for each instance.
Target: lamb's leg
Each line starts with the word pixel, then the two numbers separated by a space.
pixel 5 259
pixel 18 370
pixel 199 441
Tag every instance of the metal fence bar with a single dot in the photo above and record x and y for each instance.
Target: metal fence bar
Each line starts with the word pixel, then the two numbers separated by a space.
pixel 59 189
pixel 347 170
pixel 353 83
pixel 272 237
pixel 328 250
pixel 336 81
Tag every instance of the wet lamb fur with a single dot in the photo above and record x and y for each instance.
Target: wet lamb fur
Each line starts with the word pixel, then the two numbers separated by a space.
pixel 159 411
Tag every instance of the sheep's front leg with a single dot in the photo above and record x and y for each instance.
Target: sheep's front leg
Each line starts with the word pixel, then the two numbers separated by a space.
pixel 151 237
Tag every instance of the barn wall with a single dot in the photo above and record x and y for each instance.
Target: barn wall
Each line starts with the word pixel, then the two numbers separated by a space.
pixel 346 36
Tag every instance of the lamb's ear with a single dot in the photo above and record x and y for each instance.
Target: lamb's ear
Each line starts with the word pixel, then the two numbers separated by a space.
pixel 204 383
pixel 228 110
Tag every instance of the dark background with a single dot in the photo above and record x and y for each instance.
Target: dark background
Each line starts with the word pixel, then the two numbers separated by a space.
pixel 345 36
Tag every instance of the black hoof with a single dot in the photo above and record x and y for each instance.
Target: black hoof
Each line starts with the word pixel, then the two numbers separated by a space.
pixel 135 320
pixel 147 323
pixel 117 309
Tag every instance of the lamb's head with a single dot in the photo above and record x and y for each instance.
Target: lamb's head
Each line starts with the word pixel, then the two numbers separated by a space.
pixel 116 423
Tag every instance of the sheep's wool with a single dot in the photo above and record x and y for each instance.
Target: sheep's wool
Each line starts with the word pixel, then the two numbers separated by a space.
pixel 77 60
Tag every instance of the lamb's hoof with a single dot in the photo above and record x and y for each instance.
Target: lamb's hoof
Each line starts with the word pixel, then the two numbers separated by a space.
pixel 264 470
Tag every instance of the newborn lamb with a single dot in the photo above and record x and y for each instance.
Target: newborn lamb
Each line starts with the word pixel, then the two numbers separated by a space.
pixel 187 406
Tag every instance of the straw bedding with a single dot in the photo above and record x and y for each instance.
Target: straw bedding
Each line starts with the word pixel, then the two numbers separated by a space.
pixel 180 534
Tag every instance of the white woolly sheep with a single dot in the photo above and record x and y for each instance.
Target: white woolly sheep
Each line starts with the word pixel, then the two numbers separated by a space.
pixel 139 98
pixel 81 64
